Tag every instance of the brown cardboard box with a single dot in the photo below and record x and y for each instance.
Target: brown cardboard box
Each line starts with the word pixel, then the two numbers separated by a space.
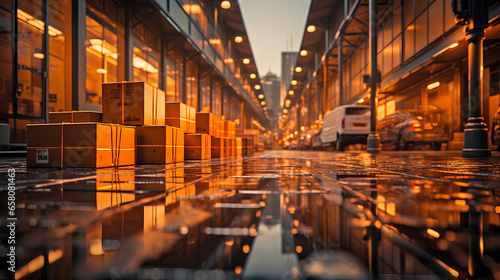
pixel 219 127
pixel 217 147
pixel 159 144
pixel 191 120
pixel 197 146
pixel 75 117
pixel 228 151
pixel 247 146
pixel 229 129
pixel 133 103
pixel 176 114
pixel 233 146
pixel 205 123
pixel 80 145
pixel 238 147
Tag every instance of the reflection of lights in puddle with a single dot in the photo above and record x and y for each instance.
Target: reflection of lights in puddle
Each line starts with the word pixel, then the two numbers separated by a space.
pixel 460 202
pixel 291 209
pixel 295 223
pixel 262 204
pixel 183 230
pixel 257 214
pixel 238 269
pixel 294 272
pixel 238 205
pixel 294 231
pixel 497 209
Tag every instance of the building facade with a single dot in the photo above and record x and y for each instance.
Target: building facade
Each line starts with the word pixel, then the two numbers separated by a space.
pixel 288 60
pixel 55 55
pixel 422 60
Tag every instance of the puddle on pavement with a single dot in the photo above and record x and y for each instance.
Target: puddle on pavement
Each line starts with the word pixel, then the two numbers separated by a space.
pixel 246 220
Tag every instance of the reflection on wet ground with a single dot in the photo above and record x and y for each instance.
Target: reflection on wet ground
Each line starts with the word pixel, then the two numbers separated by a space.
pixel 280 215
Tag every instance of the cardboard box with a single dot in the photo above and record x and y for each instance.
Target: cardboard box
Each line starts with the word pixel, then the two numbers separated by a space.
pixel 229 129
pixel 205 123
pixel 91 145
pixel 228 151
pixel 197 146
pixel 247 146
pixel 239 147
pixel 217 147
pixel 75 117
pixel 159 144
pixel 233 146
pixel 176 114
pixel 133 103
pixel 219 128
pixel 191 120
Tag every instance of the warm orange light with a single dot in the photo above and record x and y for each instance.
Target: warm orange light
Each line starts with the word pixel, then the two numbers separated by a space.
pixel 361 100
pixel 265 108
pixel 285 111
pixel 454 45
pixel 302 128
pixel 294 82
pixel 296 223
pixel 303 53
pixel 225 4
pixel 253 76
pixel 246 61
pixel 257 87
pixel 192 8
pixel 311 28
pixel 433 233
pixel 263 103
pixel 261 96
pixel 238 39
pixel 38 55
pixel 298 249
pixel 291 92
pixel 102 71
pixel 298 69
pixel 433 85
pixel 296 132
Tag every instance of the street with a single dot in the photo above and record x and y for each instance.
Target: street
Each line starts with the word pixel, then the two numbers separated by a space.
pixel 277 215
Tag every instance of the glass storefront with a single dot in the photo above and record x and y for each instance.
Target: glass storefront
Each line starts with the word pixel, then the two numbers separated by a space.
pixel 30 58
pixel 174 76
pixel 192 84
pixel 5 62
pixel 102 59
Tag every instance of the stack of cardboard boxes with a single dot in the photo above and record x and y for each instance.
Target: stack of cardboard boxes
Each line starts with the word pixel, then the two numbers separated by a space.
pixel 136 126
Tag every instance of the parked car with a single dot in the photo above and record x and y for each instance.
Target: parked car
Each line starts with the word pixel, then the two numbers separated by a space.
pixel 495 130
pixel 426 125
pixel 346 125
pixel 316 141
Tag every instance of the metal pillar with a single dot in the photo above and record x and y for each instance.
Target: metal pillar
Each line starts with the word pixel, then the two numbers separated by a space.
pixel 476 131
pixel 373 145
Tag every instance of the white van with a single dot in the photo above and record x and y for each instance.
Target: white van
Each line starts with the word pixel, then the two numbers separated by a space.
pixel 346 125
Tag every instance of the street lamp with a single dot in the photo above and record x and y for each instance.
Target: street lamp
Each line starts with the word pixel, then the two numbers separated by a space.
pixel 253 76
pixel 476 131
pixel 257 87
pixel 311 28
pixel 246 61
pixel 261 96
pixel 298 69
pixel 291 92
pixel 238 39
pixel 225 4
pixel 303 53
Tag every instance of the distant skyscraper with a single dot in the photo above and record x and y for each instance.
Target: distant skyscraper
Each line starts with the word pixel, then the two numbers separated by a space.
pixel 288 60
pixel 271 86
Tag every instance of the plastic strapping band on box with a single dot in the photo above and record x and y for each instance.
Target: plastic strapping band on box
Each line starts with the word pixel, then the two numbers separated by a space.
pixel 155 105
pixel 119 143
pixel 72 112
pixel 62 144
pixel 174 144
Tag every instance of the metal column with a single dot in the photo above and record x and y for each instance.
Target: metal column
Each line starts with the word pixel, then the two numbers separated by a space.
pixel 476 131
pixel 373 145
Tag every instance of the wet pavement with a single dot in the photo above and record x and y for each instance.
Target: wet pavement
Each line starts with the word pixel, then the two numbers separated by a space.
pixel 278 215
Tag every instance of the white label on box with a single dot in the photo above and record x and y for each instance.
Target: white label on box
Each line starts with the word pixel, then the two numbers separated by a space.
pixel 42 155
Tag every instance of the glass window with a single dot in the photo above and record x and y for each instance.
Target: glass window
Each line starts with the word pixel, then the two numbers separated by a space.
pixel 59 72
pixel 145 63
pixel 387 32
pixel 420 5
pixel 172 72
pixel 421 32
pixel 102 60
pixel 495 80
pixel 30 58
pixel 205 94
pixel 5 62
pixel 357 111
pixel 409 41
pixel 408 11
pixel 216 97
pixel 396 52
pixel 192 84
pixel 436 20
pixel 396 18
pixel 6 3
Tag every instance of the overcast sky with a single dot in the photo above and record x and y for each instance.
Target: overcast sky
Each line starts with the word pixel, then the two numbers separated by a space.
pixel 270 25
